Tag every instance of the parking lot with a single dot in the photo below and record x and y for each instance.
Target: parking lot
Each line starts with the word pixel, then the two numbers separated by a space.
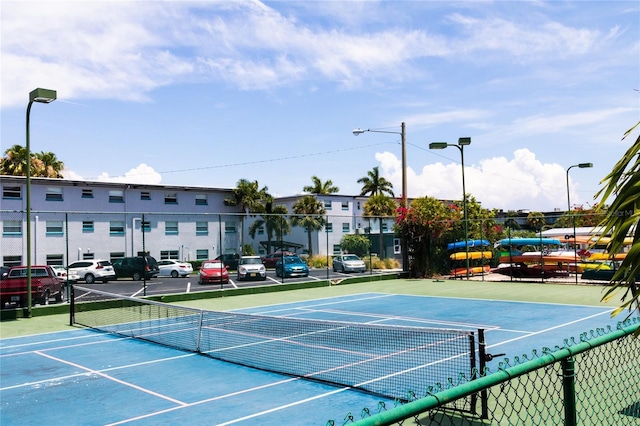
pixel 189 284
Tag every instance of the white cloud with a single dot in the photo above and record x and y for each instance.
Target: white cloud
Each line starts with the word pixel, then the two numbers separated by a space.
pixel 141 174
pixel 520 182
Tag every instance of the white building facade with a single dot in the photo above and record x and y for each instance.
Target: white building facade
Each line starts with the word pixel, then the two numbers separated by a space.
pixel 74 220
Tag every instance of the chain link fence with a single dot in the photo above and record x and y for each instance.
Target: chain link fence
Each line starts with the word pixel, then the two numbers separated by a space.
pixel 593 381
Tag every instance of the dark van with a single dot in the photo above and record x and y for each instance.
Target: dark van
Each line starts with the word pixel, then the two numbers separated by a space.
pixel 137 268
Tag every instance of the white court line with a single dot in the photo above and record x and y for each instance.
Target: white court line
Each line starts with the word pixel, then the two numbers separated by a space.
pixel 106 376
pixel 550 328
pixel 215 398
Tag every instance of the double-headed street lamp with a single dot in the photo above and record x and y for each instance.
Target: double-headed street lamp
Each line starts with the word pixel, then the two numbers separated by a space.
pixel 43 96
pixel 462 142
pixel 575 249
pixel 403 138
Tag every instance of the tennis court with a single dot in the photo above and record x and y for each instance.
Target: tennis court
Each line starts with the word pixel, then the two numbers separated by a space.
pixel 82 376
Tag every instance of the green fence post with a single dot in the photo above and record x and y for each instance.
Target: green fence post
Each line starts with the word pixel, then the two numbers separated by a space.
pixel 569 387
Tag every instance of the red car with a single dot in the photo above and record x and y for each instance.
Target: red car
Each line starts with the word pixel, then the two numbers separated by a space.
pixel 270 260
pixel 213 271
pixel 44 285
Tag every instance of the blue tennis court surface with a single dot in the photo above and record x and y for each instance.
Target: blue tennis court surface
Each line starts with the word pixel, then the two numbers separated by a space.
pixel 87 377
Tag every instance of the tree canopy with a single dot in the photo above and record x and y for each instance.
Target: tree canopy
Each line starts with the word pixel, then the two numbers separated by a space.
pixel 43 164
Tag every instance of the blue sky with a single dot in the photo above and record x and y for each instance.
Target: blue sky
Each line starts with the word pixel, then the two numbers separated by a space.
pixel 207 93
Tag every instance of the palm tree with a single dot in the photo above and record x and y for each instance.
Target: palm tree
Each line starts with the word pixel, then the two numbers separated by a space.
pixel 375 184
pixel 43 164
pixel 51 167
pixel 273 220
pixel 249 198
pixel 14 162
pixel 380 206
pixel 321 188
pixel 622 219
pixel 309 215
pixel 535 220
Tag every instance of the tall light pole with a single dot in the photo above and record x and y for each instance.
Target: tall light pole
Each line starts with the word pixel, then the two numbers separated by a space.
pixel 462 142
pixel 43 96
pixel 403 138
pixel 575 249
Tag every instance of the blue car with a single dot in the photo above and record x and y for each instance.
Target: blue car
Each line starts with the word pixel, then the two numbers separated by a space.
pixel 293 267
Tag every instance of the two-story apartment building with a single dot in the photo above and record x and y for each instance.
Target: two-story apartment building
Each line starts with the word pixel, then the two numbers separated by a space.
pixel 72 220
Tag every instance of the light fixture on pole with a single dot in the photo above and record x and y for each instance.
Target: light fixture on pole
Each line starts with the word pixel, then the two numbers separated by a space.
pixel 462 142
pixel 403 139
pixel 43 96
pixel 575 249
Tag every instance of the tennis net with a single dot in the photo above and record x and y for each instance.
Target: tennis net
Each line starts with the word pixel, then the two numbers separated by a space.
pixel 392 361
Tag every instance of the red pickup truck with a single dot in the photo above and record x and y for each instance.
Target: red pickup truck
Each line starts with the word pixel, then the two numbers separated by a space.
pixel 45 284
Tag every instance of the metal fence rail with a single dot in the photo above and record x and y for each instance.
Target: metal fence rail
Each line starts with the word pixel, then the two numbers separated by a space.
pixel 595 381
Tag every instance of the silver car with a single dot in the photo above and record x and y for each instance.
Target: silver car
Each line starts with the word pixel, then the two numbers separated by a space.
pixel 348 263
pixel 251 267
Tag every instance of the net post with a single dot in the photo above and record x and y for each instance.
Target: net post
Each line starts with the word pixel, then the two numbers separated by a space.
pixel 200 330
pixel 72 305
pixel 482 355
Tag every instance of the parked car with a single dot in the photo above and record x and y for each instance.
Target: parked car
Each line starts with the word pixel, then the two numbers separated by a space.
pixel 293 267
pixel 93 270
pixel 251 267
pixel 45 284
pixel 230 260
pixel 348 263
pixel 61 272
pixel 213 271
pixel 174 269
pixel 136 268
pixel 270 260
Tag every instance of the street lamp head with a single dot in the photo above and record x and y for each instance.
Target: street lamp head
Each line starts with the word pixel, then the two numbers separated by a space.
pixel 358 131
pixel 585 165
pixel 438 145
pixel 464 141
pixel 44 96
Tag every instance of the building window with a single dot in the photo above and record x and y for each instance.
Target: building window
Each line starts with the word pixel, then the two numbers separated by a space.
pixel 169 254
pixel 337 249
pixel 54 227
pixel 327 204
pixel 345 227
pixel 201 199
pixel 12 260
pixel 261 230
pixel 328 227
pixel 116 196
pixel 202 254
pixel 53 193
pixel 171 198
pixel 358 205
pixel 171 228
pixel 88 256
pixel 384 226
pixel 87 193
pixel 11 228
pixel 11 192
pixel 230 228
pixel 55 259
pixel 145 195
pixel 202 228
pixel 87 226
pixel 116 227
pixel 116 255
pixel 345 205
pixel 145 226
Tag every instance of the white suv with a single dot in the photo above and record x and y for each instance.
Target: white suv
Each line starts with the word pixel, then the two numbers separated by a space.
pixel 251 267
pixel 92 270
